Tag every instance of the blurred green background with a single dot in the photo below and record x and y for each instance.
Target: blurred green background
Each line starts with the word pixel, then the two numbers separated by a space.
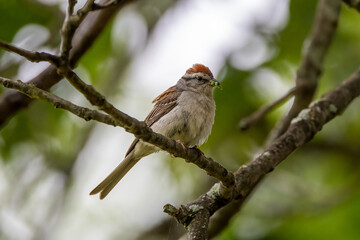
pixel 50 159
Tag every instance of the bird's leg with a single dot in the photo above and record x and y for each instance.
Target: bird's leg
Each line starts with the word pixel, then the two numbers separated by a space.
pixel 192 147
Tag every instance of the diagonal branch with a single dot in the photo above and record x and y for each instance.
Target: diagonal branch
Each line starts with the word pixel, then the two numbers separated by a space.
pixel 255 117
pixel 143 132
pixel 315 48
pixel 12 101
pixel 301 130
pixel 58 102
pixel 118 118
pixel 139 129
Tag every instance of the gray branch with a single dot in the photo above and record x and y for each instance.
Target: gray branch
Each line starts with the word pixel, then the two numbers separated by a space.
pixel 118 118
pixel 315 49
pixel 301 130
pixel 32 56
pixel 71 23
pixel 37 93
pixel 297 131
pixel 13 101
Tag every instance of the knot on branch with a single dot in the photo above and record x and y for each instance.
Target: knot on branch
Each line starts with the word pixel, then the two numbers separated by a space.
pixel 184 214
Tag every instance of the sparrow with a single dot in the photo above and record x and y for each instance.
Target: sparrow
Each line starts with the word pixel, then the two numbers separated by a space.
pixel 184 112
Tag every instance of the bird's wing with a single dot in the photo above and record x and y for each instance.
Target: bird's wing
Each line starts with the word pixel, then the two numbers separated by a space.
pixel 164 103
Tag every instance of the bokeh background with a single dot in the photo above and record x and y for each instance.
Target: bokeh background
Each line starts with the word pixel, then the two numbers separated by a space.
pixel 50 159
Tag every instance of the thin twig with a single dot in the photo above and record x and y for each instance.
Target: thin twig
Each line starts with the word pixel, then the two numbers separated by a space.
pixel 255 117
pixel 71 23
pixel 32 56
pixel 70 9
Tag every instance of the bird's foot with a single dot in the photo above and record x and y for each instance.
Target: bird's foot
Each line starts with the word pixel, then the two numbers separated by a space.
pixel 182 145
pixel 197 149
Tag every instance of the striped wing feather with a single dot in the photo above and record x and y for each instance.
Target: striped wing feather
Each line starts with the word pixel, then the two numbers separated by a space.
pixel 164 103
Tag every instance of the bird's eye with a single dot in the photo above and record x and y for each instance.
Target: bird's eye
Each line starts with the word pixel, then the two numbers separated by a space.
pixel 199 78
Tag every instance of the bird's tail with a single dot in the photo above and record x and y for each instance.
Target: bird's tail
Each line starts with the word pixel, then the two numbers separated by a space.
pixel 115 176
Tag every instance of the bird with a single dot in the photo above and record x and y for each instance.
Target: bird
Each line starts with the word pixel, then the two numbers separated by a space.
pixel 185 112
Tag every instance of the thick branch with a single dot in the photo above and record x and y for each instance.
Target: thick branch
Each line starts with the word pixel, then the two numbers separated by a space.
pixel 315 48
pixel 198 228
pixel 302 129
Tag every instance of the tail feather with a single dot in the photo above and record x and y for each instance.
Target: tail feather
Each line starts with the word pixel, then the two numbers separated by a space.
pixel 114 177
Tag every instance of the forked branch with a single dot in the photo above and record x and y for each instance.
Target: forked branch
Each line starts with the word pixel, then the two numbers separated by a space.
pixel 301 130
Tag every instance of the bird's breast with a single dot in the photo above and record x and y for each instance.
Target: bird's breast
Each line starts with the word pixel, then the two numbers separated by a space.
pixel 197 117
pixel 190 121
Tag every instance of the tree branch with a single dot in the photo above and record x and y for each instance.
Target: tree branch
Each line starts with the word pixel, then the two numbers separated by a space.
pixel 255 117
pixel 198 228
pixel 145 133
pixel 37 93
pixel 301 130
pixel 139 129
pixel 118 118
pixel 71 23
pixel 315 48
pixel 12 101
pixel 32 56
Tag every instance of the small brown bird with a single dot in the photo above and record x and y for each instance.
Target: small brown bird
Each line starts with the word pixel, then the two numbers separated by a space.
pixel 185 112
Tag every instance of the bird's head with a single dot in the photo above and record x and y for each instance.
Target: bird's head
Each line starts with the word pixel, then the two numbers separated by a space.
pixel 199 79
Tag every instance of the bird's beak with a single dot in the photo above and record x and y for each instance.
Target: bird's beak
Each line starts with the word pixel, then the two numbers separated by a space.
pixel 214 83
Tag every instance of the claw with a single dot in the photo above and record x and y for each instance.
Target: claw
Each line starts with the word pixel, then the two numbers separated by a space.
pixel 182 144
pixel 197 149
